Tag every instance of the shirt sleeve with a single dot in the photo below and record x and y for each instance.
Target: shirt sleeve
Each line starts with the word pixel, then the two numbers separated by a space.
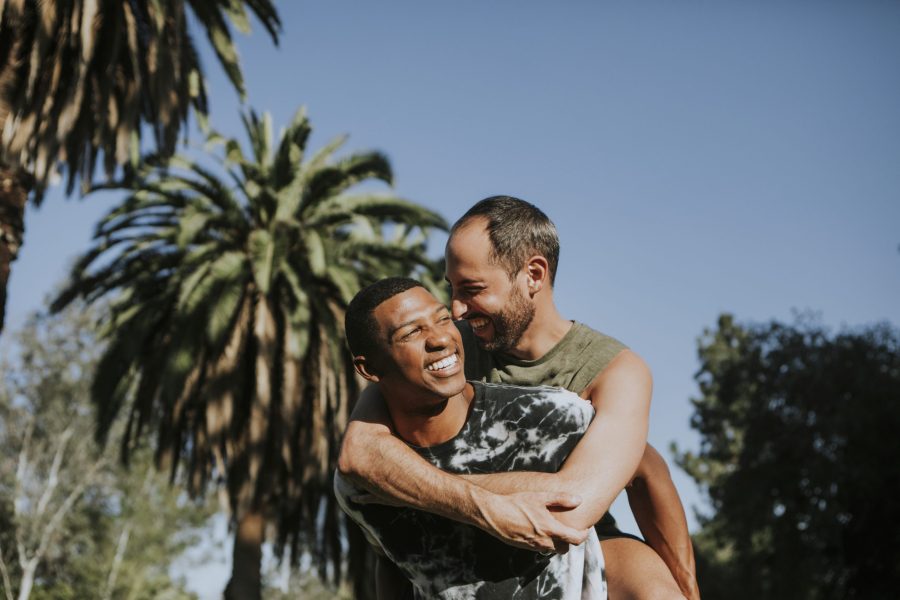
pixel 343 491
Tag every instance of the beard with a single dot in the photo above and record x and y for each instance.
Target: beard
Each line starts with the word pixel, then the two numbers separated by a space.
pixel 510 324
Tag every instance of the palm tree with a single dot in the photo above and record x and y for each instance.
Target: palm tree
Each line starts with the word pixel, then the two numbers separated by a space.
pixel 226 328
pixel 80 78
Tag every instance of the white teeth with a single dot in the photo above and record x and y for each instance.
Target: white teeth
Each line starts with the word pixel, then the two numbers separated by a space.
pixel 443 363
pixel 478 323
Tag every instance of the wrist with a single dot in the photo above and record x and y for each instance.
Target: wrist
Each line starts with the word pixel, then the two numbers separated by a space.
pixel 480 507
pixel 687 583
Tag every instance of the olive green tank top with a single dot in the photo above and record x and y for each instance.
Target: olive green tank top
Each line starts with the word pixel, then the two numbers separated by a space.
pixel 571 364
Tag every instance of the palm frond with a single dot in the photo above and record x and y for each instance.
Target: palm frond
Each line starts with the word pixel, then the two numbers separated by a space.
pixel 84 79
pixel 227 292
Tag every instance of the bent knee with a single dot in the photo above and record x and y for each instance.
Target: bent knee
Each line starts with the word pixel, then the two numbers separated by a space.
pixel 635 572
pixel 646 589
pixel 664 591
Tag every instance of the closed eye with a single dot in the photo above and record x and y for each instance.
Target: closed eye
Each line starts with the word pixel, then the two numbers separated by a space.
pixel 410 333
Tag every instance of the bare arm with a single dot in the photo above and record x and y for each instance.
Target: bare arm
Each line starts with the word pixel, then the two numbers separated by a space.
pixel 376 460
pixel 654 501
pixel 660 516
pixel 651 493
pixel 605 459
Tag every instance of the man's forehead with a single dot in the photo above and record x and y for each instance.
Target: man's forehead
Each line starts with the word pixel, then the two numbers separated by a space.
pixel 471 233
pixel 469 252
pixel 474 267
pixel 405 307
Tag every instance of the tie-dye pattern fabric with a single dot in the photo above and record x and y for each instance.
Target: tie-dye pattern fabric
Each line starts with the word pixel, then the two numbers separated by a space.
pixel 509 429
pixel 571 364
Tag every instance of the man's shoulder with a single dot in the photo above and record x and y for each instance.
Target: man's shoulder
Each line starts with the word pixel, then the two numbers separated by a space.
pixel 587 335
pixel 509 390
pixel 502 397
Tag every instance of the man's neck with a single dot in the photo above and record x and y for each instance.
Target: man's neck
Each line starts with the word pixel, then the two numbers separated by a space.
pixel 545 331
pixel 426 428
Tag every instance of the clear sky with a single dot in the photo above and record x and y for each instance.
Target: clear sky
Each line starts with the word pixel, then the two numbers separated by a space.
pixel 697 157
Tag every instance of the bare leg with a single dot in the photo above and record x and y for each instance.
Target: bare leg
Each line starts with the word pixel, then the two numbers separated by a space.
pixel 635 572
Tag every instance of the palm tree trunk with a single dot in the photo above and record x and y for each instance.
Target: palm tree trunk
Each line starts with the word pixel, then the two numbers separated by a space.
pixel 246 566
pixel 14 187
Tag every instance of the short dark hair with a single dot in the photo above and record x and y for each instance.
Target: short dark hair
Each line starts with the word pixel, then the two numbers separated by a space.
pixel 517 230
pixel 359 321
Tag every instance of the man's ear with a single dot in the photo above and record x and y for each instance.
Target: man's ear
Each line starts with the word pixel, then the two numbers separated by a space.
pixel 537 270
pixel 365 369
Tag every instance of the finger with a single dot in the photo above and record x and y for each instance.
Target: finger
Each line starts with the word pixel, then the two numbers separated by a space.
pixel 543 545
pixel 569 535
pixel 562 500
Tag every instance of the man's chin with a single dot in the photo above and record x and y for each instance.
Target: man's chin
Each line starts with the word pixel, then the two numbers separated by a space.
pixel 483 335
pixel 486 338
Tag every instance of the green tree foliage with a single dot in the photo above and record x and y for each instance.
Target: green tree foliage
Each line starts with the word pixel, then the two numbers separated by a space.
pixel 75 523
pixel 228 289
pixel 80 80
pixel 798 458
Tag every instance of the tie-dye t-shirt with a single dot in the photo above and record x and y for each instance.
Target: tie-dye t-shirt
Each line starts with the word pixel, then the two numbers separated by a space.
pixel 509 428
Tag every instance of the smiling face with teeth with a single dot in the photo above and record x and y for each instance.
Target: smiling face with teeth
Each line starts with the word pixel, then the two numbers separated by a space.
pixel 421 363
pixel 496 305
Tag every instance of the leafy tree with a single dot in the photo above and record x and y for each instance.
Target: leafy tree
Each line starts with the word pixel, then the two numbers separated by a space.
pixel 798 452
pixel 75 523
pixel 226 324
pixel 79 80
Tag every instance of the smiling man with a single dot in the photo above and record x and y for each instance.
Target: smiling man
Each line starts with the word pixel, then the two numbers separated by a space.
pixel 404 340
pixel 501 263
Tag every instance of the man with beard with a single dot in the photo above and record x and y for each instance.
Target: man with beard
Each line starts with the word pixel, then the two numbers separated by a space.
pixel 501 263
pixel 403 339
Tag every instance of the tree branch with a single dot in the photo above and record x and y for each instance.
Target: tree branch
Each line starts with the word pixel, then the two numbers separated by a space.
pixel 7 585
pixel 117 561
pixel 64 508
pixel 53 478
pixel 22 463
pixel 21 467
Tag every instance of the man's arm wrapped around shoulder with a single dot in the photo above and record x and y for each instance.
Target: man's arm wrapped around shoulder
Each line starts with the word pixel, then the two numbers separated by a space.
pixel 516 507
pixel 379 462
pixel 605 459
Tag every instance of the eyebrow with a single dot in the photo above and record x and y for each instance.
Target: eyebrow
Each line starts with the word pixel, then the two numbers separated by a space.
pixel 394 330
pixel 468 281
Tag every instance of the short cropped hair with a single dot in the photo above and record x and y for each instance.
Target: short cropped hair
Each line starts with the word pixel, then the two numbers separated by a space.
pixel 359 321
pixel 517 230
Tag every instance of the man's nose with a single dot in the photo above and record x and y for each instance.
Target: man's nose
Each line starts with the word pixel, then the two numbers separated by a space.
pixel 458 308
pixel 438 338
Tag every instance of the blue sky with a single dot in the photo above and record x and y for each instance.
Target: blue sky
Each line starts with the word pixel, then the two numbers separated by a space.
pixel 697 157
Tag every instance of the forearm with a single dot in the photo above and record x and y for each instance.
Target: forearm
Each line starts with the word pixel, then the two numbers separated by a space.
pixel 581 517
pixel 375 460
pixel 605 459
pixel 383 465
pixel 660 516
pixel 597 470
pixel 516 481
